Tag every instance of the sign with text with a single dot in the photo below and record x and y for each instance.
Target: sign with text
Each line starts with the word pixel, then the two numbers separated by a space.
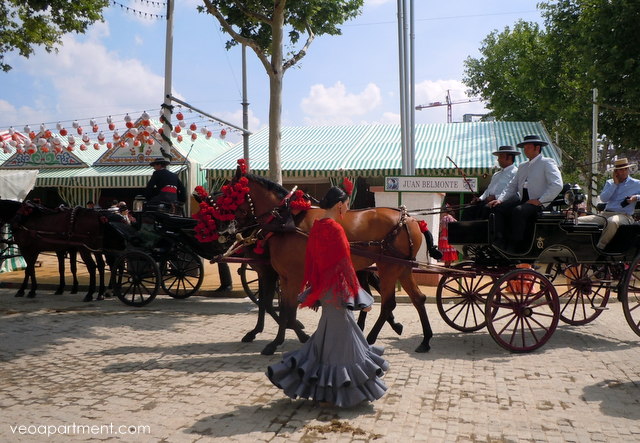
pixel 430 184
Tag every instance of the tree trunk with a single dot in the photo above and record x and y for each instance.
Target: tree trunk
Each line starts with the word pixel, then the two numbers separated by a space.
pixel 275 89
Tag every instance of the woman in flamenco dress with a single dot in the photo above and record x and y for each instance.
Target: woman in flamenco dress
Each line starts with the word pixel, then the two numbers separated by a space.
pixel 336 365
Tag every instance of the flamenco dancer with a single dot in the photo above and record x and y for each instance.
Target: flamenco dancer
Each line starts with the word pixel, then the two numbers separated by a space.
pixel 336 365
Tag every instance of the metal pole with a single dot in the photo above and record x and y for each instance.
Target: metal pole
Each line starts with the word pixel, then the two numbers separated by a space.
pixel 412 95
pixel 168 60
pixel 402 81
pixel 245 109
pixel 594 151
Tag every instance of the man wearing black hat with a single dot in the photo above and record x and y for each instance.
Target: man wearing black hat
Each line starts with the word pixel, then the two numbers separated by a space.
pixel 479 210
pixel 536 184
pixel 620 194
pixel 164 187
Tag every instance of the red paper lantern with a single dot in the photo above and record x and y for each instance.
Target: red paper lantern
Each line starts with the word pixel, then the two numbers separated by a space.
pixel 129 125
pixel 109 145
pixel 79 130
pixel 180 139
pixel 178 129
pixel 95 128
pixel 179 116
pixel 194 136
pixel 112 126
pixel 223 133
pixel 193 126
pixel 96 146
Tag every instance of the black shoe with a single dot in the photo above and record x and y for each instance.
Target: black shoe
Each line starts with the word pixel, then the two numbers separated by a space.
pixel 224 288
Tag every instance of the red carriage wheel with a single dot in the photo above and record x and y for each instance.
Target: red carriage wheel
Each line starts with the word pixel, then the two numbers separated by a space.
pixel 583 292
pixel 522 310
pixel 630 295
pixel 461 298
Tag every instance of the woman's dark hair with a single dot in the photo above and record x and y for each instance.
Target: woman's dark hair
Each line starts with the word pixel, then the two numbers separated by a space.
pixel 333 196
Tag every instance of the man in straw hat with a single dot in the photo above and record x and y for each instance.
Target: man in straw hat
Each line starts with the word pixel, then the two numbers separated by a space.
pixel 164 187
pixel 478 209
pixel 537 182
pixel 620 194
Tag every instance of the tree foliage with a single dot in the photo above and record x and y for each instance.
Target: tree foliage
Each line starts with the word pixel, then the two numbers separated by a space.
pixel 261 26
pixel 25 24
pixel 528 73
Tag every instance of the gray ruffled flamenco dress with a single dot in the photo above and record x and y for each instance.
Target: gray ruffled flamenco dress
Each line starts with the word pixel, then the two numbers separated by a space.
pixel 336 365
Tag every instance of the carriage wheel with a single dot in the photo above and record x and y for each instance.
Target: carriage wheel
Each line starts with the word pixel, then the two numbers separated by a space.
pixel 524 310
pixel 137 278
pixel 249 279
pixel 583 292
pixel 630 295
pixel 461 298
pixel 182 272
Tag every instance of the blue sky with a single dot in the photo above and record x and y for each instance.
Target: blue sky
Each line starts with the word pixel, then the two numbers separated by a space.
pixel 118 67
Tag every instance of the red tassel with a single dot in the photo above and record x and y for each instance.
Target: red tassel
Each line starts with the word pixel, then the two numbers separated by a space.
pixel 347 185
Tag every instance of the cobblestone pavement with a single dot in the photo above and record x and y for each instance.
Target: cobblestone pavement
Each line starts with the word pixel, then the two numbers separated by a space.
pixel 177 370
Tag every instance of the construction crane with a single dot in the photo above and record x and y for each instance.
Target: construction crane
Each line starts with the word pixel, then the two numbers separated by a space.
pixel 448 104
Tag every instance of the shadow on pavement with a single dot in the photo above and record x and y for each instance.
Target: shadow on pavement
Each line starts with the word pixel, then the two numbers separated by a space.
pixel 616 399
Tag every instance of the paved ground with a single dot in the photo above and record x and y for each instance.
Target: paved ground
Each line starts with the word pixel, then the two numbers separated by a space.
pixel 178 370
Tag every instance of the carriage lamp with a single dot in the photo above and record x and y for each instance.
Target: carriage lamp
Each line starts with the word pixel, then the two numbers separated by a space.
pixel 574 195
pixel 138 203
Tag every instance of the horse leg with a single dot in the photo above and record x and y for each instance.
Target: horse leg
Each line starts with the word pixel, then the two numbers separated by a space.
pixel 418 299
pixel 25 281
pixel 61 284
pixel 73 265
pixel 387 303
pixel 91 267
pixel 31 272
pixel 288 306
pixel 367 279
pixel 100 265
pixel 267 280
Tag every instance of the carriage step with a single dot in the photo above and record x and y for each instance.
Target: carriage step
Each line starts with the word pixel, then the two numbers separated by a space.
pixel 599 308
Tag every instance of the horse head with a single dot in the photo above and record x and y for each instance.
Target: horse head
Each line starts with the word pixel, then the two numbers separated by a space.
pixel 8 210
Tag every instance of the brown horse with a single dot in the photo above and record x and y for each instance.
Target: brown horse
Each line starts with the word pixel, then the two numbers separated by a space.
pixel 36 229
pixel 384 236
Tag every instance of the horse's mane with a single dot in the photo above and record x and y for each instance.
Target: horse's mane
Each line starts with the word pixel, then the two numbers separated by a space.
pixel 269 185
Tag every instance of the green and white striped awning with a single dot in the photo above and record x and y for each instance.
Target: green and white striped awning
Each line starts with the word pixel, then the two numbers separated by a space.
pixel 99 177
pixel 375 150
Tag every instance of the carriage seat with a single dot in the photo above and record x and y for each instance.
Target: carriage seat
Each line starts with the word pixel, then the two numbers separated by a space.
pixel 627 236
pixel 174 221
pixel 468 232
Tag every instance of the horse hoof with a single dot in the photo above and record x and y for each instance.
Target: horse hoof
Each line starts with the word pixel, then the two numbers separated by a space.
pixel 58 292
pixel 87 298
pixel 423 348
pixel 249 337
pixel 397 328
pixel 19 294
pixel 31 295
pixel 304 338
pixel 100 297
pixel 269 349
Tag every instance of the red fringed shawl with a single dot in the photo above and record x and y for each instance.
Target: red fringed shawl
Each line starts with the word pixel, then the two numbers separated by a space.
pixel 328 266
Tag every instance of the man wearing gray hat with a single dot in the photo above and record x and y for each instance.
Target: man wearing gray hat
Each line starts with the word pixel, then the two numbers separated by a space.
pixel 537 182
pixel 478 209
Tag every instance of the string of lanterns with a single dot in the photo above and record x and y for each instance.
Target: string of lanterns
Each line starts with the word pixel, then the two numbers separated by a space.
pixel 141 13
pixel 136 134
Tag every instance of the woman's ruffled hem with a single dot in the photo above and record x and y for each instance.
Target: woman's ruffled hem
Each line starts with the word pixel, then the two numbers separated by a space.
pixel 344 386
pixel 361 300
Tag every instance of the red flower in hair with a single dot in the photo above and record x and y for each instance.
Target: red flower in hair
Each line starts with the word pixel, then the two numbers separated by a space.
pixel 347 185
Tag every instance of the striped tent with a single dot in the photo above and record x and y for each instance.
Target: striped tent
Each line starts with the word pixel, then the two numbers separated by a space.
pixel 375 150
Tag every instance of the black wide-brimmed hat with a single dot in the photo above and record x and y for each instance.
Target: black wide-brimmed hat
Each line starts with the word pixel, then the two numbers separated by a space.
pixel 159 161
pixel 536 140
pixel 506 150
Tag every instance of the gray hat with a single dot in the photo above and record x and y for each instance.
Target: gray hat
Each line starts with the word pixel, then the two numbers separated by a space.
pixel 536 140
pixel 506 150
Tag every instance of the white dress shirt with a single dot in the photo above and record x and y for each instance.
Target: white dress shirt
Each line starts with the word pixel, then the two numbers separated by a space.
pixel 543 178
pixel 499 181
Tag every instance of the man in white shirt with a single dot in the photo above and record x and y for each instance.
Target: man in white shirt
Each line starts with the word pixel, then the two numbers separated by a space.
pixel 535 185
pixel 479 210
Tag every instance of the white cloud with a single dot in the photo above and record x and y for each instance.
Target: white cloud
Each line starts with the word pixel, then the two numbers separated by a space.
pixel 335 105
pixel 376 2
pixel 85 79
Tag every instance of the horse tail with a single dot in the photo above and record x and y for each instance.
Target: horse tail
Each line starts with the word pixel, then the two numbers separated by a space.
pixel 434 252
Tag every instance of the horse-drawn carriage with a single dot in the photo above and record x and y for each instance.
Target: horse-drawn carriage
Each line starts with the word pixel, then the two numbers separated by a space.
pixel 561 275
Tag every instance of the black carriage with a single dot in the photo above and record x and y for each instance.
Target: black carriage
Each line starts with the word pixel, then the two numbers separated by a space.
pixel 166 257
pixel 560 275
